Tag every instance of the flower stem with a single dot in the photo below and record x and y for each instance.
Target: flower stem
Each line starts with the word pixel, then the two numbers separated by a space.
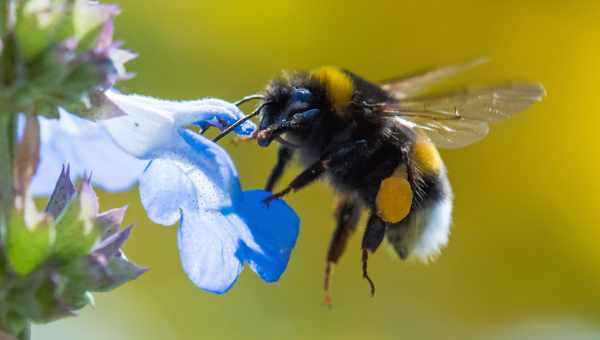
pixel 25 333
pixel 7 141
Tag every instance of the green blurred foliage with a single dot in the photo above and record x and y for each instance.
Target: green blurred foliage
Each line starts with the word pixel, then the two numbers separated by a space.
pixel 524 247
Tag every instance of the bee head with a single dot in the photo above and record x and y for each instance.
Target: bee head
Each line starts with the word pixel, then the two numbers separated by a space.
pixel 292 107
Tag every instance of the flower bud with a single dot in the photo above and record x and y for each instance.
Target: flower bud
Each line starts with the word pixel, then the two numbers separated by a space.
pixel 53 260
pixel 56 53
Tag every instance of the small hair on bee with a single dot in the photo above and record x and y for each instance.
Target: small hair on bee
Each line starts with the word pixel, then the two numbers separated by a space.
pixel 248 117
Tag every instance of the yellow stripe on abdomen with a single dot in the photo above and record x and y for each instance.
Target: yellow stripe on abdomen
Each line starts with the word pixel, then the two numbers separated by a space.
pixel 426 156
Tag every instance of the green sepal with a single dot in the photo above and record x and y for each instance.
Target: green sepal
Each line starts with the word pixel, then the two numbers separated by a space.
pixel 75 233
pixel 34 36
pixel 27 247
pixel 90 39
pixel 117 272
pixel 31 36
pixel 53 83
pixel 99 274
pixel 47 303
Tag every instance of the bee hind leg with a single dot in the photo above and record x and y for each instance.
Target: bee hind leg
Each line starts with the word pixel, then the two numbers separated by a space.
pixel 372 238
pixel 346 214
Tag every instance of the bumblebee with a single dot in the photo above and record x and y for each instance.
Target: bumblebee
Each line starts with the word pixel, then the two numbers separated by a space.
pixel 377 145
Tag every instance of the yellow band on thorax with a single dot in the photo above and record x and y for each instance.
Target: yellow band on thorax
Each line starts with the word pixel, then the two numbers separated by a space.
pixel 338 84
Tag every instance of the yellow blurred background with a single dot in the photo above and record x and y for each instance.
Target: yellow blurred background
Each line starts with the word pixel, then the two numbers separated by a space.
pixel 523 260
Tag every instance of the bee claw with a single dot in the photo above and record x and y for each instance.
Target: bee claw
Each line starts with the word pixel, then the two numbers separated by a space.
pixel 273 197
pixel 328 301
pixel 327 284
pixel 366 273
pixel 267 201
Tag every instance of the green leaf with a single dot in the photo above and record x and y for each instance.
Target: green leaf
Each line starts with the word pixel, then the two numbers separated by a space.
pixel 26 247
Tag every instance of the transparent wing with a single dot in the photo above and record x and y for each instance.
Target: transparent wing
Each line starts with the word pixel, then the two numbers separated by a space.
pixel 411 85
pixel 460 118
pixel 449 134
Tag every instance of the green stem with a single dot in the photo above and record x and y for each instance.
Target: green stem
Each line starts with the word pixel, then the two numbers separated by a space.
pixel 25 333
pixel 15 327
pixel 7 14
pixel 7 141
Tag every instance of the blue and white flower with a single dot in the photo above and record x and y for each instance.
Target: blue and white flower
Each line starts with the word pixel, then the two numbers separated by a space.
pixel 183 177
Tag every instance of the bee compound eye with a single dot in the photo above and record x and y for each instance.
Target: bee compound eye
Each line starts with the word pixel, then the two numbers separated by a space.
pixel 301 95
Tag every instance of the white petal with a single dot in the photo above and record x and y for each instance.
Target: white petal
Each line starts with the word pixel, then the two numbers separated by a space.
pixel 146 126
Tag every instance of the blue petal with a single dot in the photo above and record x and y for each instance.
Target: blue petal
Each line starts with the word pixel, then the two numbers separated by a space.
pixel 214 244
pixel 86 147
pixel 274 230
pixel 221 227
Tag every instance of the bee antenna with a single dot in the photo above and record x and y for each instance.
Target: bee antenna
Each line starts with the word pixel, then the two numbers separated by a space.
pixel 240 121
pixel 249 98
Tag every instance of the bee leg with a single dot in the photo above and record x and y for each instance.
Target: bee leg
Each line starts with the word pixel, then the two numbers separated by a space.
pixel 343 155
pixel 372 238
pixel 305 178
pixel 346 214
pixel 284 156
